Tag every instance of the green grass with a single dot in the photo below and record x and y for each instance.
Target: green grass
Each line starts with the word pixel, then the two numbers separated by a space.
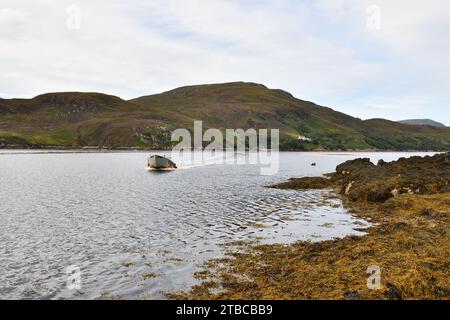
pixel 93 119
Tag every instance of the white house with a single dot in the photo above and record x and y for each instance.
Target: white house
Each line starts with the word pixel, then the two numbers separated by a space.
pixel 303 138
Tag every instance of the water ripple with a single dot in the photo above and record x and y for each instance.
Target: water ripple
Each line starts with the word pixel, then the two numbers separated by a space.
pixel 107 215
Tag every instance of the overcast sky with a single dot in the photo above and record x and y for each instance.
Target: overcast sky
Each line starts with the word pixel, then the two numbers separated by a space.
pixel 369 59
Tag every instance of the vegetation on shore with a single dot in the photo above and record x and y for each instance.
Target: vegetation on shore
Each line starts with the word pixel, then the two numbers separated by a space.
pixel 304 183
pixel 409 241
pixel 74 120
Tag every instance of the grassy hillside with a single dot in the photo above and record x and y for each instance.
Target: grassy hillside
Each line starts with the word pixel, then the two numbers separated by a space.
pixel 98 120
pixel 422 122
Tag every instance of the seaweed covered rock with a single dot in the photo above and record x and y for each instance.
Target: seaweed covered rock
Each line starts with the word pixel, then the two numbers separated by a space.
pixel 352 167
pixel 304 183
pixel 361 180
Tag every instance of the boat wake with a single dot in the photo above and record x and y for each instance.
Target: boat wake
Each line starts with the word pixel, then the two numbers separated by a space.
pixel 193 160
pixel 163 170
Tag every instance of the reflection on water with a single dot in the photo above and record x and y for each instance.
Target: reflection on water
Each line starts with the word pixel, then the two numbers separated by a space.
pixel 136 233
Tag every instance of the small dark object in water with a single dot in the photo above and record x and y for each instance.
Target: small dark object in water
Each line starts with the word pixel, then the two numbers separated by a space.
pixel 313 164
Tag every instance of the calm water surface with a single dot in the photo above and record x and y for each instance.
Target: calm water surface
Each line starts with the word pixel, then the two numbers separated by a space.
pixel 138 234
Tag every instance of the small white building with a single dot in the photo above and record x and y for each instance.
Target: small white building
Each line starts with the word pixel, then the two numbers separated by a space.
pixel 303 138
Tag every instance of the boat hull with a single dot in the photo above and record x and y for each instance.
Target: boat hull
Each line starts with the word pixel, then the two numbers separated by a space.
pixel 160 163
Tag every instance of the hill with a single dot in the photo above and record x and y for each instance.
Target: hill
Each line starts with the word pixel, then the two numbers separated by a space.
pixel 76 120
pixel 423 122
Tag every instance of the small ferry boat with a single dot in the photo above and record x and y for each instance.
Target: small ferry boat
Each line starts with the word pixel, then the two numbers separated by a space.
pixel 160 163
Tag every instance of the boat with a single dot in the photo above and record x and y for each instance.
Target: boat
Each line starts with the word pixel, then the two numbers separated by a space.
pixel 158 162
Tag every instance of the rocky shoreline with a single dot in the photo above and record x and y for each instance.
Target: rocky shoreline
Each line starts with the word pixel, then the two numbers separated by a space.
pixel 361 180
pixel 408 203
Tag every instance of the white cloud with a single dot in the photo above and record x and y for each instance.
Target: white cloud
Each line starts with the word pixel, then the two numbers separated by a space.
pixel 8 15
pixel 393 107
pixel 139 52
pixel 317 51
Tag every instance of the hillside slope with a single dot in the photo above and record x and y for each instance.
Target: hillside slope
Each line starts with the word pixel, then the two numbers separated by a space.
pixel 97 120
pixel 422 122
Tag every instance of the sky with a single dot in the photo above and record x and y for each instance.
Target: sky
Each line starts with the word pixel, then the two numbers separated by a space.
pixel 367 58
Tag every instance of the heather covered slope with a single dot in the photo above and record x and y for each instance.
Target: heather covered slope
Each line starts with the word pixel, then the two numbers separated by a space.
pixel 99 120
pixel 248 105
pixel 74 119
pixel 422 122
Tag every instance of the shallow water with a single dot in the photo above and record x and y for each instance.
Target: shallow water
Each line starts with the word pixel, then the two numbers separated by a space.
pixel 135 233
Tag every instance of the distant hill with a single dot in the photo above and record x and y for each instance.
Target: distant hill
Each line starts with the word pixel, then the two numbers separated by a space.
pixel 423 122
pixel 76 120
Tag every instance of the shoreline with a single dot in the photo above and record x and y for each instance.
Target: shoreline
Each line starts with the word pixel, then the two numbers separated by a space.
pixel 408 241
pixel 95 149
pixel 125 148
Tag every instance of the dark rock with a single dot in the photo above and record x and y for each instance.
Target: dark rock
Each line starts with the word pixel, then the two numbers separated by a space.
pixel 442 292
pixel 393 293
pixel 352 295
pixel 378 196
pixel 426 213
pixel 400 225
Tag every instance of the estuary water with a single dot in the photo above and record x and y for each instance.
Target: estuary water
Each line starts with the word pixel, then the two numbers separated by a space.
pixel 138 234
